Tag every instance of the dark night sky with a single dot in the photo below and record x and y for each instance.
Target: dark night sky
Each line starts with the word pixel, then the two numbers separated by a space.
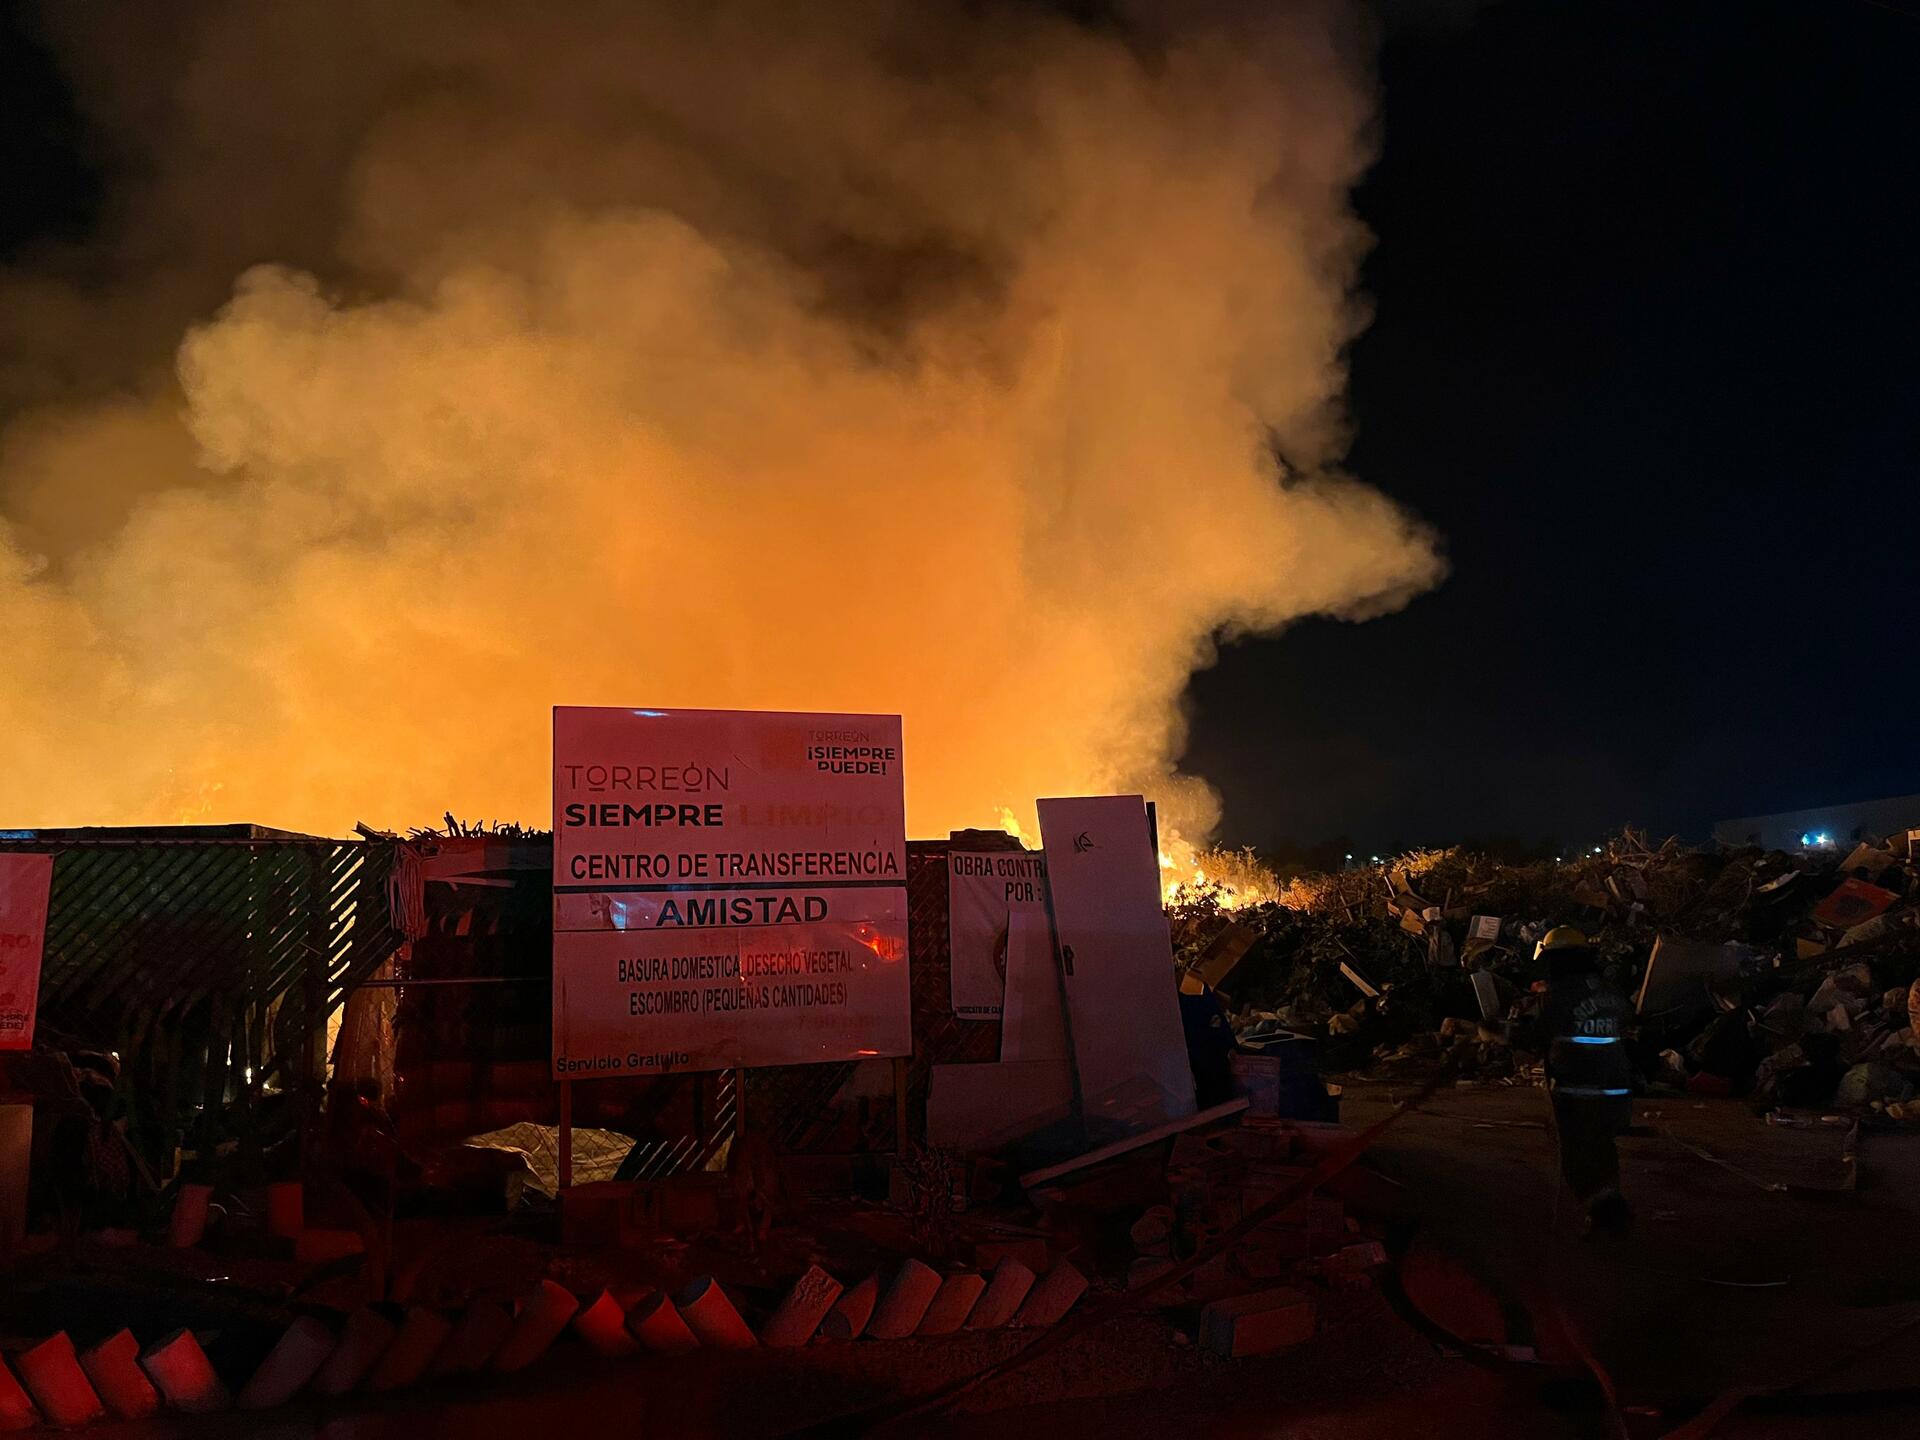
pixel 1646 347
pixel 1646 352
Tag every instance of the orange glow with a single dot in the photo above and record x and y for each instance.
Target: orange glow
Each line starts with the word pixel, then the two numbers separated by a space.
pixel 828 379
pixel 889 948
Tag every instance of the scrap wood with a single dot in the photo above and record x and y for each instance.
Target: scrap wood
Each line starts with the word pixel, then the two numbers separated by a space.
pixel 1136 1142
pixel 1335 1160
pixel 1223 952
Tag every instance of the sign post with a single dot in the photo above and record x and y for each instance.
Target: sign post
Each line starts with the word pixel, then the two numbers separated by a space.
pixel 729 890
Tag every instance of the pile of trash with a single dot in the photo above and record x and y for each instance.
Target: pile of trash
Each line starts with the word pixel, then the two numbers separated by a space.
pixel 1786 977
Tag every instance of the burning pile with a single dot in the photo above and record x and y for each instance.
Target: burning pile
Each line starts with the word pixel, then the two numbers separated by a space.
pixel 1785 977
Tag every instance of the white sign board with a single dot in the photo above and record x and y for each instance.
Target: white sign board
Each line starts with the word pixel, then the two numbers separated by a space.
pixel 25 882
pixel 729 889
pixel 1116 960
pixel 984 890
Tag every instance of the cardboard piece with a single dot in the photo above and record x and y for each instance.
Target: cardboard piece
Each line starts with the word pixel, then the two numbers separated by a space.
pixel 1851 903
pixel 1868 862
pixel 1678 972
pixel 1224 951
pixel 1116 956
pixel 1257 1324
pixel 1487 992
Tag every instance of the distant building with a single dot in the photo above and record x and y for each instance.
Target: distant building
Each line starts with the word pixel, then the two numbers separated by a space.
pixel 1840 825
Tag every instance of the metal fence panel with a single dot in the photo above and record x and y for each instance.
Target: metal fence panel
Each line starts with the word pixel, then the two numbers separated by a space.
pixel 210 968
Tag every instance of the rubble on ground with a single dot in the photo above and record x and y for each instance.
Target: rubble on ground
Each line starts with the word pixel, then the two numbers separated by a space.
pixel 1788 978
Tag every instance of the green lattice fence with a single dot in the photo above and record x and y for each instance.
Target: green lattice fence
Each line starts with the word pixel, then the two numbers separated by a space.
pixel 210 967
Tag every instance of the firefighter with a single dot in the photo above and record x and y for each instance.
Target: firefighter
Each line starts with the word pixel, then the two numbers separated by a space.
pixel 1589 1076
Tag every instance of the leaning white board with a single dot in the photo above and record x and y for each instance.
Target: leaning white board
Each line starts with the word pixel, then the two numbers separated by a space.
pixel 1116 958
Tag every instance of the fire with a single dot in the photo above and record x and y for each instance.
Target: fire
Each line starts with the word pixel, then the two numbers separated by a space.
pixel 1230 879
pixel 925 359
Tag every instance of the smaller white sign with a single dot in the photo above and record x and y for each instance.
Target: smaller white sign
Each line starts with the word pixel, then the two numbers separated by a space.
pixel 984 891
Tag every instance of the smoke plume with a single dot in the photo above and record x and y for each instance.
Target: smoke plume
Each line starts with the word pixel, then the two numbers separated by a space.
pixel 436 364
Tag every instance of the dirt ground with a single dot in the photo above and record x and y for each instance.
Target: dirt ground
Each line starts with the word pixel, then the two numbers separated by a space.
pixel 1764 1259
pixel 1727 1284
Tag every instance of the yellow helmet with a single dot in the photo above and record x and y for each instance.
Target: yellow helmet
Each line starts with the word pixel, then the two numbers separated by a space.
pixel 1562 937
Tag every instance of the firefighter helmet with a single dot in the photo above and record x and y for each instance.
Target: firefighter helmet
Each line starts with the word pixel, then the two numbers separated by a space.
pixel 1562 937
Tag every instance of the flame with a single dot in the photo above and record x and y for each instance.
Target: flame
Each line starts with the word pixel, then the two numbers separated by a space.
pixel 1232 880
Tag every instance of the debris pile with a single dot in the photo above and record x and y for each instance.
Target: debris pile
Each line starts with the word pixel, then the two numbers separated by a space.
pixel 1785 977
pixel 1216 1178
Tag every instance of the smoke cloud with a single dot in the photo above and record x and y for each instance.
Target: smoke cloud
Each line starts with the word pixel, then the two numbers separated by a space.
pixel 437 364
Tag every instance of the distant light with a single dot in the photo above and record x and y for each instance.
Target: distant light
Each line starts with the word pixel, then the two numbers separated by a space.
pixel 1823 838
pixel 1596 849
pixel 1806 839
pixel 1349 855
